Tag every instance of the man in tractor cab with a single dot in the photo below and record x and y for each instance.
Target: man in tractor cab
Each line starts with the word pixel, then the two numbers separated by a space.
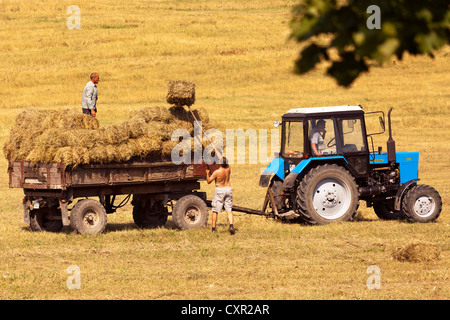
pixel 317 138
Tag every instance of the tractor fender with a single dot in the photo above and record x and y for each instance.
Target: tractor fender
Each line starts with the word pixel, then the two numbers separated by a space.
pixel 275 167
pixel 289 181
pixel 278 167
pixel 305 165
pixel 400 192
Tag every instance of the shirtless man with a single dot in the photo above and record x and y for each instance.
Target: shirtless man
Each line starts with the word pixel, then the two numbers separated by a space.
pixel 223 195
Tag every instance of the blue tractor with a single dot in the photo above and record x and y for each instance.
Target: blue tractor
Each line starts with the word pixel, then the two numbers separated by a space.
pixel 325 168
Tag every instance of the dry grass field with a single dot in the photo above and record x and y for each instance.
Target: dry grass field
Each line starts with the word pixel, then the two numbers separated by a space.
pixel 238 55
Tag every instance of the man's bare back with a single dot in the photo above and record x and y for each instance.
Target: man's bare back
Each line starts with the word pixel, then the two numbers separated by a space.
pixel 221 176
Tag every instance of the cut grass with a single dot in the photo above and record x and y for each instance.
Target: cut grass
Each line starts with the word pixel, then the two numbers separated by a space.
pixel 45 65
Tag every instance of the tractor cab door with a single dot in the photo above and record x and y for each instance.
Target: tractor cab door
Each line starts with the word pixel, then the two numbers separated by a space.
pixel 353 143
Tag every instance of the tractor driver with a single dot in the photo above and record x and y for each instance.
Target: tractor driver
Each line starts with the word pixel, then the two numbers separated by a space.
pixel 317 138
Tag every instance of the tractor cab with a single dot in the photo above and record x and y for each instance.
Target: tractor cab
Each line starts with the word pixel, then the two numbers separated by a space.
pixel 327 132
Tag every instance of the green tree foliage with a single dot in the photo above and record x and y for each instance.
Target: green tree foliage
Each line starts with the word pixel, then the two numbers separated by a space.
pixel 346 34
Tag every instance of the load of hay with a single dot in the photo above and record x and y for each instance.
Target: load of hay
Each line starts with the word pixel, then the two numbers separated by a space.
pixel 69 137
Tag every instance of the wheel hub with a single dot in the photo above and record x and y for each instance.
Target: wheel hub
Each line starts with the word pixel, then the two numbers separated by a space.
pixel 424 206
pixel 331 198
pixel 90 219
pixel 192 214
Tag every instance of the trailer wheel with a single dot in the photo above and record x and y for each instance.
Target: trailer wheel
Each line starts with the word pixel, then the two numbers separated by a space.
pixel 190 212
pixel 88 216
pixel 422 203
pixel 46 219
pixel 327 194
pixel 149 213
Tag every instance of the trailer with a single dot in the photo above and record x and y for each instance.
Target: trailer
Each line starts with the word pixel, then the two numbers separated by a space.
pixel 57 195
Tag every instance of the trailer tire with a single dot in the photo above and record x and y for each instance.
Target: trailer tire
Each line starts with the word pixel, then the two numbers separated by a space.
pixel 46 219
pixel 149 213
pixel 422 203
pixel 88 216
pixel 190 212
pixel 327 194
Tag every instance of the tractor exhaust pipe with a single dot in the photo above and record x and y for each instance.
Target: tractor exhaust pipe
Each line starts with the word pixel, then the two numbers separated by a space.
pixel 391 143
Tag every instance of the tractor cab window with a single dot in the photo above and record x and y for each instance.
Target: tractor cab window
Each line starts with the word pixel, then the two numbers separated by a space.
pixel 293 142
pixel 321 137
pixel 352 136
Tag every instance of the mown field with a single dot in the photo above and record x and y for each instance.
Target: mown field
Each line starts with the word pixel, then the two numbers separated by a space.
pixel 238 55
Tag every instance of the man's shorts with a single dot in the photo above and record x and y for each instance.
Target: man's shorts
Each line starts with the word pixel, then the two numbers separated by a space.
pixel 223 198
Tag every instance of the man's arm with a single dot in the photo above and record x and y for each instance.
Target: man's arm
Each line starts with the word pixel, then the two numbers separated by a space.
pixel 211 178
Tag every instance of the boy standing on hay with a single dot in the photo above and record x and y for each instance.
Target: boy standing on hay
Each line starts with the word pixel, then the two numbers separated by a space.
pixel 89 98
pixel 223 195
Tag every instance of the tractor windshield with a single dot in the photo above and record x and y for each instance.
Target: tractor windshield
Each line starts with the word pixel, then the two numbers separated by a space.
pixel 293 139
pixel 352 135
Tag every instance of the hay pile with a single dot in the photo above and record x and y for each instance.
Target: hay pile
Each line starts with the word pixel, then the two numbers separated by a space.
pixel 69 137
pixel 417 252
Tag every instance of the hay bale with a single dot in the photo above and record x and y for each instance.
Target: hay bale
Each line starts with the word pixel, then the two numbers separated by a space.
pixel 124 152
pixel 116 134
pixel 154 113
pixel 417 252
pixel 181 93
pixel 68 119
pixel 64 155
pixel 146 147
pixel 137 126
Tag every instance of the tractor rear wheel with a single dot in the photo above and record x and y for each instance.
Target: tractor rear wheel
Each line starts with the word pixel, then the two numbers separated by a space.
pixel 422 203
pixel 327 194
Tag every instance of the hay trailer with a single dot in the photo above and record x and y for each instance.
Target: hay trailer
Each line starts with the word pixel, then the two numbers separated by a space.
pixel 54 190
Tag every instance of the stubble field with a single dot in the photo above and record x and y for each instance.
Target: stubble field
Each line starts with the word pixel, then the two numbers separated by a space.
pixel 238 55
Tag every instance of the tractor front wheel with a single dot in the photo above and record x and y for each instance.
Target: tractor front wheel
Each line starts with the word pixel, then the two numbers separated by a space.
pixel 327 194
pixel 422 203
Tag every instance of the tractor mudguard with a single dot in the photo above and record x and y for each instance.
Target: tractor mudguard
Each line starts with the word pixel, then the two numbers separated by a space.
pixel 289 181
pixel 275 167
pixel 303 164
pixel 278 167
pixel 401 192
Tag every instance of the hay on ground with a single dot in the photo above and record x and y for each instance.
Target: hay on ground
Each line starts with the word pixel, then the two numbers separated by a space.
pixel 417 252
